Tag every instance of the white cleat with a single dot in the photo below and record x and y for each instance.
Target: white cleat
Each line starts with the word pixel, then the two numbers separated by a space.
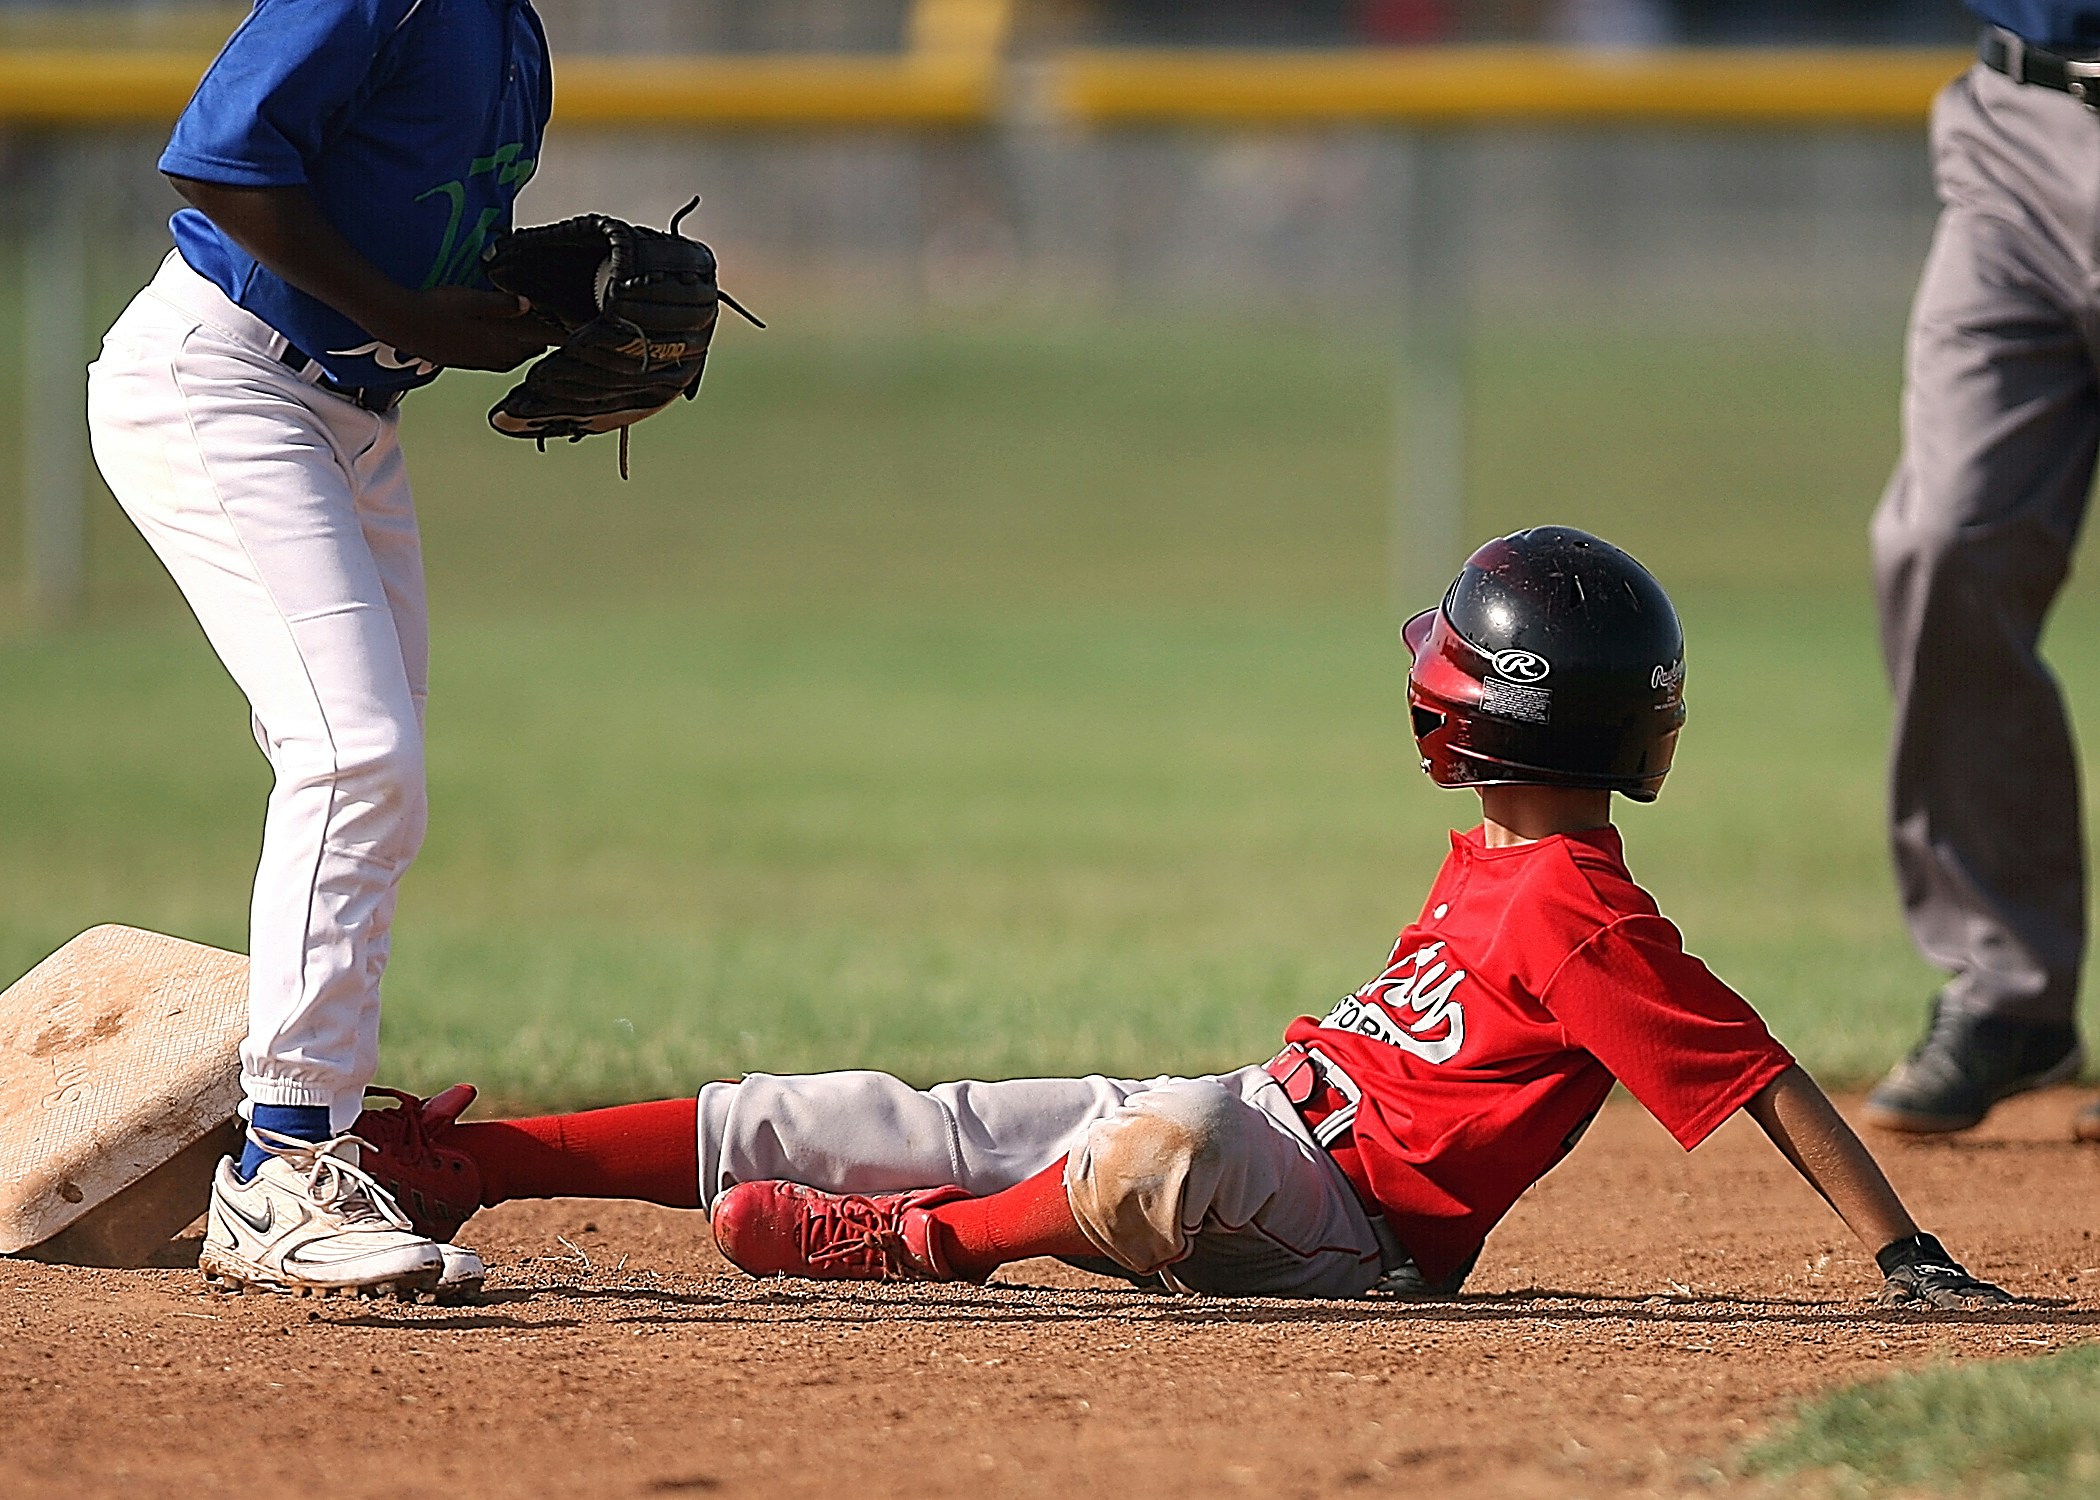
pixel 463 1274
pixel 312 1222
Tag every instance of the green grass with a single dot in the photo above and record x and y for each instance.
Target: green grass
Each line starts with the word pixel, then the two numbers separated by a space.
pixel 985 699
pixel 2001 1430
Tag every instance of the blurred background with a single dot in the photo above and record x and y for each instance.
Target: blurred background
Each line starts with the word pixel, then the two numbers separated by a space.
pixel 995 670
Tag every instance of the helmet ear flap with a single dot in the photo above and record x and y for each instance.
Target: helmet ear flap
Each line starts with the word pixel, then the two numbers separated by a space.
pixel 1427 720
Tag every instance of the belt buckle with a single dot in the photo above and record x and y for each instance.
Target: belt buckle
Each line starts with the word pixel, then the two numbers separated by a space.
pixel 2082 82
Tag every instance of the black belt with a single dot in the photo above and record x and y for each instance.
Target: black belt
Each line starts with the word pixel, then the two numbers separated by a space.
pixel 378 399
pixel 2020 60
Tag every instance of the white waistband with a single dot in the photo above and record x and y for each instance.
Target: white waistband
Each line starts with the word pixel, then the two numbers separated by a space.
pixel 184 289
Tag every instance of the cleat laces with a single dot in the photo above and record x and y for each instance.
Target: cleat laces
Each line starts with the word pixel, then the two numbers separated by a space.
pixel 414 1148
pixel 335 1182
pixel 852 1233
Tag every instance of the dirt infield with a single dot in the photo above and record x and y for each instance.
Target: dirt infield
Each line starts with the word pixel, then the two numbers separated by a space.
pixel 1639 1314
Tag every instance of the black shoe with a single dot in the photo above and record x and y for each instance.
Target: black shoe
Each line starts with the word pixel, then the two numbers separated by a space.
pixel 1968 1063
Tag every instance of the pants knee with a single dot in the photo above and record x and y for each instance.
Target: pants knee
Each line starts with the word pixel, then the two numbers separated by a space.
pixel 1929 555
pixel 1129 1184
pixel 378 804
pixel 1910 538
pixel 380 791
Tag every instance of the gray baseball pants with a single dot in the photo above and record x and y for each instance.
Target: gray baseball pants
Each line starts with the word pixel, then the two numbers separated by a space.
pixel 1213 1181
pixel 1972 543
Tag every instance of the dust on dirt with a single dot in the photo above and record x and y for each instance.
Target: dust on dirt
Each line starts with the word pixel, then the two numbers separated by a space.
pixel 1639 1315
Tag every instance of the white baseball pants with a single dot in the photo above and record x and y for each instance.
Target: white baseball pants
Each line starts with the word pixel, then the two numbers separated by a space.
pixel 1214 1181
pixel 283 514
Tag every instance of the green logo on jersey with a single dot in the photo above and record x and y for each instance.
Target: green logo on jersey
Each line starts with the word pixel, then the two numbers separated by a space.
pixel 461 252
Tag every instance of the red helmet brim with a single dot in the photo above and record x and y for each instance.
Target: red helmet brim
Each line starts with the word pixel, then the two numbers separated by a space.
pixel 1416 631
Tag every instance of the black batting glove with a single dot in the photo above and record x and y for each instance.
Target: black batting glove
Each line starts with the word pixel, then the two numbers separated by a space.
pixel 1919 1273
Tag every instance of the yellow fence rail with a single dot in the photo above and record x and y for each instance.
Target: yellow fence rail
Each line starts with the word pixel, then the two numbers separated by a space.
pixel 945 89
pixel 1498 85
pixel 79 87
pixel 89 88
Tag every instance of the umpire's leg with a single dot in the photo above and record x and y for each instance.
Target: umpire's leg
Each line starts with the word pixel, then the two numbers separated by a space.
pixel 1971 544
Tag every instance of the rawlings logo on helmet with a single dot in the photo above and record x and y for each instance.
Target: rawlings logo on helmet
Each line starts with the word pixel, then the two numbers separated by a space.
pixel 1522 666
pixel 1669 676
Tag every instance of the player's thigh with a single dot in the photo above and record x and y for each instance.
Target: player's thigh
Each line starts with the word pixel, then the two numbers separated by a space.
pixel 387 515
pixel 240 479
pixel 868 1132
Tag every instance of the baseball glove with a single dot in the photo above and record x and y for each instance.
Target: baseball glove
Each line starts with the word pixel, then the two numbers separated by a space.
pixel 636 308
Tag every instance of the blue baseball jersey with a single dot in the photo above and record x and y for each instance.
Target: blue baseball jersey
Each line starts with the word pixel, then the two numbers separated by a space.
pixel 2046 23
pixel 413 123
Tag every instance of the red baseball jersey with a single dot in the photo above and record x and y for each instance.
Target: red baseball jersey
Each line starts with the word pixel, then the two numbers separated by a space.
pixel 1534 977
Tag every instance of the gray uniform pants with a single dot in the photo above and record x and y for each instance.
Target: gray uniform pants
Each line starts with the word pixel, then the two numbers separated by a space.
pixel 1214 1180
pixel 1972 542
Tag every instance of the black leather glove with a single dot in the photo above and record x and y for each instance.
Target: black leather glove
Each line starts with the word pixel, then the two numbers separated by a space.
pixel 1919 1273
pixel 636 308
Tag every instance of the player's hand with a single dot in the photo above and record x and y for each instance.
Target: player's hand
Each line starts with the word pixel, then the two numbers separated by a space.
pixel 1921 1274
pixel 467 329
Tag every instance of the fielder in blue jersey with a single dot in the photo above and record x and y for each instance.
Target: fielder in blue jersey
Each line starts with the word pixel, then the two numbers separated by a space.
pixel 343 160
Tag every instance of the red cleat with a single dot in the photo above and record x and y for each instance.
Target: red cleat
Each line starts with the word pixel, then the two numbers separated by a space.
pixel 786 1229
pixel 438 1186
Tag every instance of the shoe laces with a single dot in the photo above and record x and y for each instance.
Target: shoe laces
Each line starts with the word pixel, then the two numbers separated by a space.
pixel 411 1145
pixel 333 1180
pixel 856 1230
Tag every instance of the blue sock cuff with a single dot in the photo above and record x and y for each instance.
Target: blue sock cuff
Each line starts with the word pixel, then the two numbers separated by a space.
pixel 307 1122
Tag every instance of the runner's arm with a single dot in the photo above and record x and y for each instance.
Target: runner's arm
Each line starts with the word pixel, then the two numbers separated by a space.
pixel 1917 1271
pixel 1801 1121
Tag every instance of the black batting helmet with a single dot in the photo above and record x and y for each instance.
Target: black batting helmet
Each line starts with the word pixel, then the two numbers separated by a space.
pixel 1556 660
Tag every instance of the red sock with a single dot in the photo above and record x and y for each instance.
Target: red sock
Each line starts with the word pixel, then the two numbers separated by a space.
pixel 1030 1218
pixel 646 1151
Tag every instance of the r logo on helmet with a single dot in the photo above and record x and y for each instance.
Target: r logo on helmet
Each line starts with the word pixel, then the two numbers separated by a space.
pixel 1522 666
